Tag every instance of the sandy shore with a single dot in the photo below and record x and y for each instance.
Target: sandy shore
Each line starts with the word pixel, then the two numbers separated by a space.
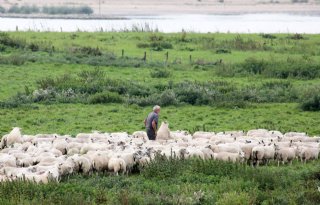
pixel 122 8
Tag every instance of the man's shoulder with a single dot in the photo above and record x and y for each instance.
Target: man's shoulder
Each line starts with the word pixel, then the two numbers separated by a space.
pixel 153 114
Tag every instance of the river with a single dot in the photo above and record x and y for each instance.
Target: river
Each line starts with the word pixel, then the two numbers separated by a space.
pixel 244 23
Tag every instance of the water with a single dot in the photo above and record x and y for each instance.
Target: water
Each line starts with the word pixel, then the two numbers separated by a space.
pixel 247 23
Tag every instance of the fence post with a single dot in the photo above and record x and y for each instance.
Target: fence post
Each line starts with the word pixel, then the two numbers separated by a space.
pixel 145 56
pixel 167 56
pixel 190 59
pixel 122 53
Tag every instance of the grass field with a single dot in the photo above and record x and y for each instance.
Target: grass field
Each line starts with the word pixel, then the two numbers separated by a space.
pixel 69 83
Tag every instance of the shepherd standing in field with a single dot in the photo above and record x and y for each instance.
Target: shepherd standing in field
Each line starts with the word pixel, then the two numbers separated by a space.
pixel 151 123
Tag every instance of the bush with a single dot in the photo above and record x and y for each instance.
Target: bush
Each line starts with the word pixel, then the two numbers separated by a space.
pixel 53 10
pixel 167 97
pixel 311 102
pixel 268 36
pixel 2 10
pixel 13 60
pixel 143 45
pixel 23 9
pixel 160 74
pixel 86 51
pixel 6 40
pixel 105 97
pixel 296 36
pixel 255 66
pixel 235 198
pixel 223 51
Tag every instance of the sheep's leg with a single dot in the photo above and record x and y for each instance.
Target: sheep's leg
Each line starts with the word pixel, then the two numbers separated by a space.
pixel 278 163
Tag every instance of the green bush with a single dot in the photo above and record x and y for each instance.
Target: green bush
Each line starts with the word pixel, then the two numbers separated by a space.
pixel 235 198
pixel 14 60
pixel 160 73
pixel 311 102
pixel 223 51
pixel 6 40
pixel 143 45
pixel 53 10
pixel 2 10
pixel 24 9
pixel 268 36
pixel 105 97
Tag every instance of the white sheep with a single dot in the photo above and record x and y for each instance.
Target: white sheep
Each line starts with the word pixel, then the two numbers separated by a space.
pixel 285 154
pixel 163 132
pixel 13 137
pixel 229 157
pixel 308 153
pixel 116 165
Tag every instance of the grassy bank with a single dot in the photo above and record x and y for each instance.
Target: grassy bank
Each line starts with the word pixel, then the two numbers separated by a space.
pixel 76 118
pixel 179 182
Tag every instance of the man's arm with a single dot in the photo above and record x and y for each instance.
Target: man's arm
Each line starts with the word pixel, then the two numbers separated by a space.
pixel 154 126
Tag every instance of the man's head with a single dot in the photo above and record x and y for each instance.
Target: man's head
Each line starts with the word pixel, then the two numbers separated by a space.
pixel 156 109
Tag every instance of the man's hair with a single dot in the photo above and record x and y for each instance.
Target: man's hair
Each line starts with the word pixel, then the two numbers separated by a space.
pixel 156 107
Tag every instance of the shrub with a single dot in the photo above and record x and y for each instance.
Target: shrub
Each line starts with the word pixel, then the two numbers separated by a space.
pixel 253 65
pixel 160 74
pixel 167 97
pixel 86 51
pixel 53 10
pixel 311 102
pixel 143 45
pixel 24 9
pixel 155 37
pixel 14 59
pixel 223 51
pixel 268 36
pixel 105 97
pixel 6 40
pixel 235 198
pixel 296 36
pixel 2 10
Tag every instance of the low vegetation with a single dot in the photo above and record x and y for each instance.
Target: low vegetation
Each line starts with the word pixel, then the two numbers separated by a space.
pixel 52 10
pixel 178 182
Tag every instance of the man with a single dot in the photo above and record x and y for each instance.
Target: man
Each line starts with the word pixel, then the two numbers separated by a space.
pixel 151 123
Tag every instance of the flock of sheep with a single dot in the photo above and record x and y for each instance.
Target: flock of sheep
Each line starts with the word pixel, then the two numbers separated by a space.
pixel 46 157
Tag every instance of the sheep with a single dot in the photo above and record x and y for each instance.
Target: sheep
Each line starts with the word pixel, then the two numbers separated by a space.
pixel 229 157
pixel 307 153
pixel 295 134
pixel 194 152
pixel 13 137
pixel 7 160
pixel 230 147
pixel 140 134
pixel 208 153
pixel 200 134
pixel 116 165
pixel 247 150
pixel 259 133
pixel 84 164
pixel 48 157
pixel 61 145
pixel 100 160
pixel 285 154
pixel 263 153
pixel 65 168
pixel 163 132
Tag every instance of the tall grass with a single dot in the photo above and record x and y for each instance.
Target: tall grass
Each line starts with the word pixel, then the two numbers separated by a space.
pixel 175 181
